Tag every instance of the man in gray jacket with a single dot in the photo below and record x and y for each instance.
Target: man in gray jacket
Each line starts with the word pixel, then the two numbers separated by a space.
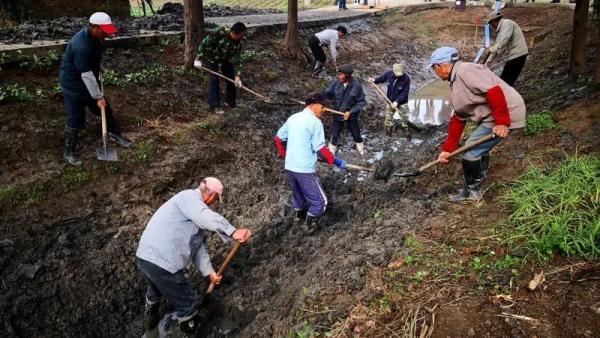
pixel 173 238
pixel 511 42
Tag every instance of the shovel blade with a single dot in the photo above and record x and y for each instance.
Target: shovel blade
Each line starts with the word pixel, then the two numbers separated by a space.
pixel 411 174
pixel 107 154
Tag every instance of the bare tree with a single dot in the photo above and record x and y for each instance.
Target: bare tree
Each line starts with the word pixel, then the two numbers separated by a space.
pixel 578 53
pixel 596 20
pixel 291 35
pixel 193 18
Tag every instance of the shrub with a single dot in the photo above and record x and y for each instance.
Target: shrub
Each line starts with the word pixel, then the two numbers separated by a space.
pixel 539 123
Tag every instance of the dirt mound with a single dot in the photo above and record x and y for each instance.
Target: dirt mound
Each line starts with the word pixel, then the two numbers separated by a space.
pixel 169 18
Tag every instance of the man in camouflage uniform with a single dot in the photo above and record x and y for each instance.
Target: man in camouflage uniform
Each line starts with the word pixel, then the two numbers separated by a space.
pixel 222 48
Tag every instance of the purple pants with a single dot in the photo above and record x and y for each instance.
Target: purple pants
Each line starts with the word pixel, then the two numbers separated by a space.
pixel 307 191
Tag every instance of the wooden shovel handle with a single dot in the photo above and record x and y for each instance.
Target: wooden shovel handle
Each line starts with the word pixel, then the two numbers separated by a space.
pixel 232 253
pixel 326 109
pixel 262 97
pixel 460 150
pixel 380 91
pixel 358 167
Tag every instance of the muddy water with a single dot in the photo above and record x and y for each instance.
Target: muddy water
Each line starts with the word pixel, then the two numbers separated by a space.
pixel 431 106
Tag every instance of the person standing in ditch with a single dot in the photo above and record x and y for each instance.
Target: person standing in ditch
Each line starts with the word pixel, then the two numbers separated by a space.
pixel 510 41
pixel 300 141
pixel 398 86
pixel 477 94
pixel 222 48
pixel 350 99
pixel 172 239
pixel 326 38
pixel 80 83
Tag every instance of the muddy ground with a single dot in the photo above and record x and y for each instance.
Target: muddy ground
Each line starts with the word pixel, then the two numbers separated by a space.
pixel 168 18
pixel 68 237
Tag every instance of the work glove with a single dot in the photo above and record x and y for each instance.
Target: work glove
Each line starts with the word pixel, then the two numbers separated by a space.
pixel 238 82
pixel 371 79
pixel 394 105
pixel 197 64
pixel 338 162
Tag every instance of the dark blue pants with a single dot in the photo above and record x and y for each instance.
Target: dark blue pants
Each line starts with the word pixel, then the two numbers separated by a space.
pixel 342 3
pixel 214 96
pixel 307 193
pixel 173 286
pixel 337 126
pixel 75 108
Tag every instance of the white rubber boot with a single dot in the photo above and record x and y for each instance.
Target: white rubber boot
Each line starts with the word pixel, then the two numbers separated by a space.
pixel 361 148
pixel 332 148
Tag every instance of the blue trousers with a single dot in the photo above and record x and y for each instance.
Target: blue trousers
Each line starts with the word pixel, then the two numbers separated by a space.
pixel 342 3
pixel 482 149
pixel 173 286
pixel 307 192
pixel 75 109
pixel 214 96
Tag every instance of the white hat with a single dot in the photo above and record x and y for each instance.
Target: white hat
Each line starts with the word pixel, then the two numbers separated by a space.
pixel 103 20
pixel 398 69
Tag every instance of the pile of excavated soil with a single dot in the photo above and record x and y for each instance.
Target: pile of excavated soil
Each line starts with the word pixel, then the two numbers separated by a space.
pixel 169 18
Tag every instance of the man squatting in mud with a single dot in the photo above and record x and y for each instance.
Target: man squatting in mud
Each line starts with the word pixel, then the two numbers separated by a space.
pixel 481 96
pixel 350 99
pixel 222 48
pixel 300 141
pixel 174 237
pixel 398 87
pixel 326 38
pixel 80 83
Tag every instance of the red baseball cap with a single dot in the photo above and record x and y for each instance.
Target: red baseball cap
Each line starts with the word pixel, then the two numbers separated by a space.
pixel 103 20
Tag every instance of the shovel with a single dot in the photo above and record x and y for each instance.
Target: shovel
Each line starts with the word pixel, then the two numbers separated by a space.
pixel 452 154
pixel 262 97
pixel 232 253
pixel 105 153
pixel 408 123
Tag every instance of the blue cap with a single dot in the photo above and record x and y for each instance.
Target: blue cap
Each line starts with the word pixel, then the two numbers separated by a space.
pixel 443 55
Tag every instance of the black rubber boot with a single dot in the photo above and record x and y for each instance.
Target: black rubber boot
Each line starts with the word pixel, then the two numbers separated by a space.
pixel 299 215
pixel 485 164
pixel 190 326
pixel 472 173
pixel 151 317
pixel 318 68
pixel 70 146
pixel 120 140
pixel 312 224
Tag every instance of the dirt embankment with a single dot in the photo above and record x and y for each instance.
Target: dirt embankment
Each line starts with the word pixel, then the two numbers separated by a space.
pixel 68 237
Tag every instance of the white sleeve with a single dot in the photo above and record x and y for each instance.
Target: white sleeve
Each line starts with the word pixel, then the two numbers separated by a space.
pixel 333 49
pixel 92 85
pixel 203 261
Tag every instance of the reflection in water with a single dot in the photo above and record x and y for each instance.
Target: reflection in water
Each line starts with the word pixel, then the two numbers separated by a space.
pixel 429 111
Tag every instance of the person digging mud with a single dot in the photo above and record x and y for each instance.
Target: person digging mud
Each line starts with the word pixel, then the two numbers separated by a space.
pixel 81 86
pixel 398 86
pixel 174 237
pixel 222 48
pixel 510 41
pixel 300 141
pixel 326 38
pixel 350 99
pixel 481 96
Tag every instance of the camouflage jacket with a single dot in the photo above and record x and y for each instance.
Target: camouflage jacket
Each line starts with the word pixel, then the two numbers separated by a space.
pixel 218 48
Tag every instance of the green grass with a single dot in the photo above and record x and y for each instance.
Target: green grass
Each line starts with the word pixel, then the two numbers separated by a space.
pixel 9 194
pixel 539 123
pixel 75 176
pixel 557 211
pixel 145 149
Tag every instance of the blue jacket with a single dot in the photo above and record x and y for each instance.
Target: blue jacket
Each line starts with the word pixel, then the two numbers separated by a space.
pixel 351 98
pixel 398 88
pixel 83 54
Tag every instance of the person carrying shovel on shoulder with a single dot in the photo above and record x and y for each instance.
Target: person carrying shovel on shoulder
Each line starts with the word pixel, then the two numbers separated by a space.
pixel 173 238
pixel 300 141
pixel 80 83
pixel 398 87
pixel 222 49
pixel 477 94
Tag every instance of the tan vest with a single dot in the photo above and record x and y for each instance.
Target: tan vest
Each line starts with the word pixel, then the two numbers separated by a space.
pixel 470 83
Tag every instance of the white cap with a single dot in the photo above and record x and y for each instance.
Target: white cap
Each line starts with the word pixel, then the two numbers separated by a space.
pixel 103 20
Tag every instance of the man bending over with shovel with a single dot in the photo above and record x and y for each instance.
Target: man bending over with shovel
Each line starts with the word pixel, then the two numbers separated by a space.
pixel 300 141
pixel 173 238
pixel 482 97
pixel 222 48
pixel 80 83
pixel 398 86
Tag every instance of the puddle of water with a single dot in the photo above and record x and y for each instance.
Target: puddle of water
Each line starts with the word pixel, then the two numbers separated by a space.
pixel 431 104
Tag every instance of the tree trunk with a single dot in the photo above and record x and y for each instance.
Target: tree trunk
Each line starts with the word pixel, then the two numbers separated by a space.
pixel 596 26
pixel 291 35
pixel 578 52
pixel 193 18
pixel 597 71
